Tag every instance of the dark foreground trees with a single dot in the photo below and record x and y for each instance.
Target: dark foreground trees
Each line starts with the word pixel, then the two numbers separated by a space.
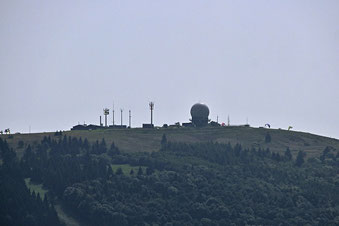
pixel 18 206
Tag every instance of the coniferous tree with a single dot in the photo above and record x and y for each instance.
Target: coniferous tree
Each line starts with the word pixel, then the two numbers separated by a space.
pixel 109 172
pixel 300 159
pixel 140 171
pixel 113 150
pixel 86 144
pixel 102 147
pixel 288 154
pixel 268 138
pixel 119 171
pixel 163 140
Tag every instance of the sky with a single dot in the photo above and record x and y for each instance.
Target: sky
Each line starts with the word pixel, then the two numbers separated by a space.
pixel 276 62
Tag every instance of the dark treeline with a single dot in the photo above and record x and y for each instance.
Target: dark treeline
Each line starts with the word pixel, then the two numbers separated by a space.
pixel 185 184
pixel 18 206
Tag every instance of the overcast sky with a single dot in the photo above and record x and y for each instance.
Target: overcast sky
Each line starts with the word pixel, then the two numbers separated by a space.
pixel 276 62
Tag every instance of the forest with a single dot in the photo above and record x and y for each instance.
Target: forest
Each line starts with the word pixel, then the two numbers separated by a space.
pixel 203 183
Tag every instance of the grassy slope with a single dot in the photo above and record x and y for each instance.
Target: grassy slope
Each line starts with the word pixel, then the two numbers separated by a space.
pixel 134 140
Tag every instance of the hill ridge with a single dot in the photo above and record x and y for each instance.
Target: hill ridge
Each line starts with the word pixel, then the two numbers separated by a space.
pixel 148 140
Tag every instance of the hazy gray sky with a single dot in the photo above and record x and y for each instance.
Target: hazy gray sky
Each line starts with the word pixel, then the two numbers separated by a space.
pixel 277 62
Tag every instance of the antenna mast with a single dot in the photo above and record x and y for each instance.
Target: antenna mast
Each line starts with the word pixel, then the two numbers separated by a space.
pixel 113 113
pixel 121 110
pixel 228 120
pixel 130 116
pixel 151 106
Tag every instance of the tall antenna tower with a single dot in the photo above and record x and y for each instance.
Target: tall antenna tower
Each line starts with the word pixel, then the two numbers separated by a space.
pixel 121 110
pixel 113 113
pixel 228 120
pixel 106 112
pixel 217 119
pixel 151 106
pixel 130 116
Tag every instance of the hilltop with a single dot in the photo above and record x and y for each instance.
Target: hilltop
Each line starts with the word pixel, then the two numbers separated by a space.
pixel 148 140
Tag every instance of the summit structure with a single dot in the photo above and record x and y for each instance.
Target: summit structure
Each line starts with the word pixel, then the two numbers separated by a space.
pixel 200 113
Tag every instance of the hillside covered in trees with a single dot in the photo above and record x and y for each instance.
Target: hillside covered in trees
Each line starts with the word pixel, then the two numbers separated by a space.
pixel 202 183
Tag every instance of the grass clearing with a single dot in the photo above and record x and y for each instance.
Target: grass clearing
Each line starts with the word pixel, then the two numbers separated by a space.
pixel 65 218
pixel 37 188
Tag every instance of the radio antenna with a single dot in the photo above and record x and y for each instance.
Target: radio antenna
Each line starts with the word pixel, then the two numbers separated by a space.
pixel 151 106
pixel 121 110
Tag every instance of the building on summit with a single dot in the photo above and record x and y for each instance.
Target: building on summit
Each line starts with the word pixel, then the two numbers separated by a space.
pixel 199 113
